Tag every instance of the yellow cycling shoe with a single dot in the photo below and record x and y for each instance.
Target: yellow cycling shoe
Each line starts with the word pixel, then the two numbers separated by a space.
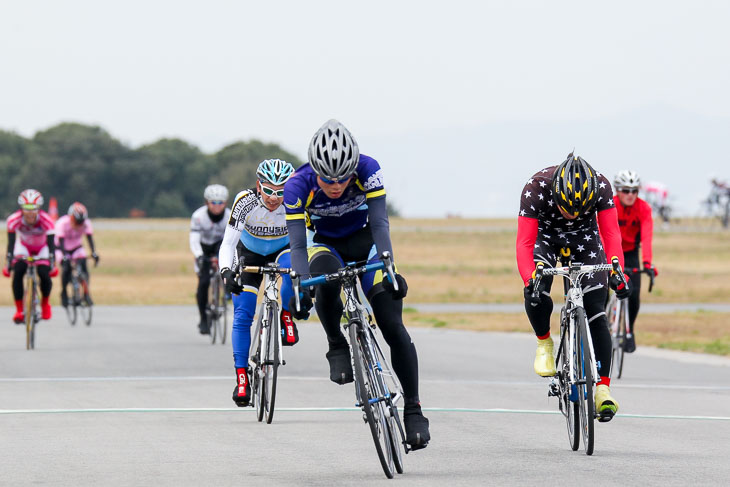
pixel 544 360
pixel 606 406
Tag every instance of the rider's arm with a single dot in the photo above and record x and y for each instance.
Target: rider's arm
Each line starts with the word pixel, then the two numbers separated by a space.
pixel 647 233
pixel 298 244
pixel 51 244
pixel 379 225
pixel 62 244
pixel 11 242
pixel 90 239
pixel 526 238
pixel 195 246
pixel 610 234
pixel 228 247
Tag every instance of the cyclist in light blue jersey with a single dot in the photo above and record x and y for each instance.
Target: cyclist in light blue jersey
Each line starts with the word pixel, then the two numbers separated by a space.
pixel 256 235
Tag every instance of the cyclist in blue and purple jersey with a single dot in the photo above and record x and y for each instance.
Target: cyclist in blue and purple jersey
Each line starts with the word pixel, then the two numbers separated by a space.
pixel 339 195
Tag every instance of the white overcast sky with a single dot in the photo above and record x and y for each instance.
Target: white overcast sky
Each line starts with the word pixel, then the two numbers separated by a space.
pixel 460 101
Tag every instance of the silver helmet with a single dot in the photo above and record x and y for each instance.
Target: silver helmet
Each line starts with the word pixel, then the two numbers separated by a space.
pixel 333 152
pixel 216 192
pixel 627 179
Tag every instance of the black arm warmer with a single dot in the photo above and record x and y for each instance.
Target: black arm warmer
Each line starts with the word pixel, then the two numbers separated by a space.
pixel 11 242
pixel 91 243
pixel 51 244
pixel 298 244
pixel 378 217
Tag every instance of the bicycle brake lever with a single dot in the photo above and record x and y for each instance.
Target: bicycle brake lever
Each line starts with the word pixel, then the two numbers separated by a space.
pixel 388 262
pixel 295 286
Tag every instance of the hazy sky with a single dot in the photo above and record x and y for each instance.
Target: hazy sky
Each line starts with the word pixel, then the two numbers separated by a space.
pixel 459 101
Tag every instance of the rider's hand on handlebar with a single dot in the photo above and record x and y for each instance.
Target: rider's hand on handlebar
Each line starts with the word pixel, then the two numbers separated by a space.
pixel 95 256
pixel 650 268
pixel 402 286
pixel 621 288
pixel 66 257
pixel 305 304
pixel 229 280
pixel 530 287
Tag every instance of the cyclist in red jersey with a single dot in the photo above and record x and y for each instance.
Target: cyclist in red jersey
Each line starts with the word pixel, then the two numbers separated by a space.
pixel 637 228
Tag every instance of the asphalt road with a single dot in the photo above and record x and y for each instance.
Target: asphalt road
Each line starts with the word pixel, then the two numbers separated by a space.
pixel 139 398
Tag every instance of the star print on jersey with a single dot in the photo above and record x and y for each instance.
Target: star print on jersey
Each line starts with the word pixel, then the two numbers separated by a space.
pixel 592 255
pixel 580 248
pixel 527 194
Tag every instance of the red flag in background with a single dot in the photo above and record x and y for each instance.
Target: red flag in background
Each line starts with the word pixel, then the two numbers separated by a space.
pixel 53 208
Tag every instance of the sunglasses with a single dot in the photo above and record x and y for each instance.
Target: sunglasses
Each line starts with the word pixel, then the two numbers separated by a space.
pixel 272 192
pixel 629 191
pixel 333 181
pixel 217 202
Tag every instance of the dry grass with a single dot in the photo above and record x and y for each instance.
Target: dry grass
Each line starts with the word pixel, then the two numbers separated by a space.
pixel 705 332
pixel 454 260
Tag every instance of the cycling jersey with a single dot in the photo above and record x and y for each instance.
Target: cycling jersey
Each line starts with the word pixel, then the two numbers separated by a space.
pixel 259 229
pixel 333 217
pixel 362 202
pixel 33 237
pixel 543 230
pixel 637 227
pixel 205 231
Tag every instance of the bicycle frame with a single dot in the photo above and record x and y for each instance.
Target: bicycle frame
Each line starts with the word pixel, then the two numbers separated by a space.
pixel 271 274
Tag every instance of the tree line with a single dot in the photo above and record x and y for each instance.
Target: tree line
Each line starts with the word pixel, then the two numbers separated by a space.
pixel 76 162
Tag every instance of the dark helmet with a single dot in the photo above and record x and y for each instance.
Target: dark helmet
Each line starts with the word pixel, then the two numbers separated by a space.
pixel 575 186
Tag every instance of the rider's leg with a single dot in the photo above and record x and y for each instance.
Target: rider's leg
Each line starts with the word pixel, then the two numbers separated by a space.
pixel 45 284
pixel 65 279
pixel 289 332
pixel 593 301
pixel 539 316
pixel 202 295
pixel 19 269
pixel 244 308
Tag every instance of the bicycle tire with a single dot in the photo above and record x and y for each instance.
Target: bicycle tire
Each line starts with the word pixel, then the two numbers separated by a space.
pixel 393 422
pixel 620 342
pixel 584 376
pixel 256 376
pixel 71 311
pixel 612 313
pixel 212 311
pixel 569 407
pixel 272 360
pixel 86 313
pixel 364 391
pixel 223 311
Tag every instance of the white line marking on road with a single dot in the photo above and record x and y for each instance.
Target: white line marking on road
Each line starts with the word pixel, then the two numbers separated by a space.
pixel 337 409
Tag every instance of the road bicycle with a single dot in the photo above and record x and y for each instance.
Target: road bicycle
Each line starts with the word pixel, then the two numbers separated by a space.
pixel 80 302
pixel 617 312
pixel 31 301
pixel 216 311
pixel 575 364
pixel 265 354
pixel 377 389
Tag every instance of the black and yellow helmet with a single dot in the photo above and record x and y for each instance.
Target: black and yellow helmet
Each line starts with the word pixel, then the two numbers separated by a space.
pixel 575 186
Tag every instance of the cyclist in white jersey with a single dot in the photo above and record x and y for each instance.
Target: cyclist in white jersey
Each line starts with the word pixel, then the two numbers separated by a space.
pixel 206 234
pixel 256 235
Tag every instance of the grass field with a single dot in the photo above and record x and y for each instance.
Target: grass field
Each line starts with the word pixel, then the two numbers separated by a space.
pixel 448 260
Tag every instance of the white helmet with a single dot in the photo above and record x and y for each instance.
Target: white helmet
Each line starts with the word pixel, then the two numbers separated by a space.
pixel 216 192
pixel 333 152
pixel 627 179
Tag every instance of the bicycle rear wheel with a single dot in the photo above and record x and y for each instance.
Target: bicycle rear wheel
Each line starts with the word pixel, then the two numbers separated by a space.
pixel 272 360
pixel 568 392
pixel 368 398
pixel 584 376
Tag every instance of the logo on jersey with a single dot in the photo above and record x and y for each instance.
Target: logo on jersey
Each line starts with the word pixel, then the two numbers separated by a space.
pixel 374 181
pixel 296 205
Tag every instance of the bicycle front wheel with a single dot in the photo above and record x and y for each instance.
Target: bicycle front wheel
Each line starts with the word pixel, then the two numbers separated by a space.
pixel 84 303
pixel 257 344
pixel 213 292
pixel 568 391
pixel 30 304
pixel 584 375
pixel 272 360
pixel 222 311
pixel 620 341
pixel 369 399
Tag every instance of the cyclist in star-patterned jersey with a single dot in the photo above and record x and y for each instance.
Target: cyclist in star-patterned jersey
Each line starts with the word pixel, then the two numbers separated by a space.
pixel 567 212
pixel 637 228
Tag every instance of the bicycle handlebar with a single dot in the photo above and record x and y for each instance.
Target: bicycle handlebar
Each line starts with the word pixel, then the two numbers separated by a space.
pixel 649 272
pixel 350 270
pixel 577 269
pixel 265 269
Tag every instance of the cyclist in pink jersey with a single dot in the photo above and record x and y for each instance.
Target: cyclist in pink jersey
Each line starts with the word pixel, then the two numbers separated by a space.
pixel 30 233
pixel 70 230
